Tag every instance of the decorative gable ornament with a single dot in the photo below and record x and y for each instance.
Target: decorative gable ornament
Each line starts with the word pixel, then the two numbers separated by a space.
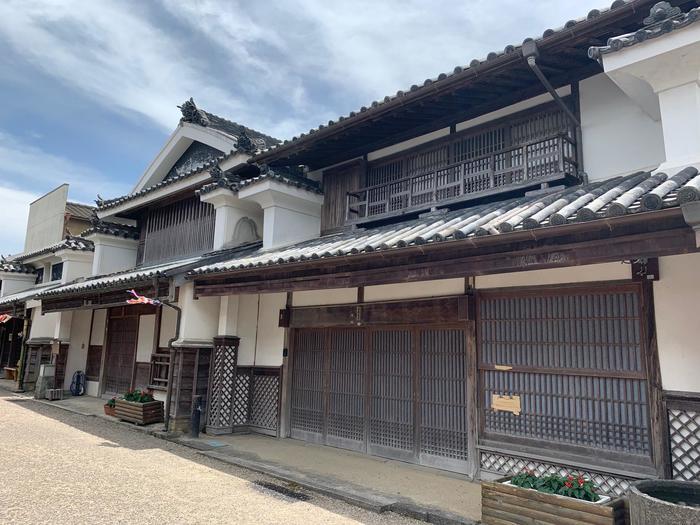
pixel 191 113
pixel 245 143
pixel 661 11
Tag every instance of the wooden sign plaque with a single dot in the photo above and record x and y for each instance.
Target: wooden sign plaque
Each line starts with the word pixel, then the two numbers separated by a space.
pixel 505 404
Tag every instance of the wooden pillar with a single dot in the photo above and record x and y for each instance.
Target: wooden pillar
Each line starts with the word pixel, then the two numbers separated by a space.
pixel 473 461
pixel 658 418
pixel 286 394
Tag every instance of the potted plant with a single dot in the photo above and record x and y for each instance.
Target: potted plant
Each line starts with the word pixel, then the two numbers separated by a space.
pixel 139 406
pixel 548 498
pixel 109 407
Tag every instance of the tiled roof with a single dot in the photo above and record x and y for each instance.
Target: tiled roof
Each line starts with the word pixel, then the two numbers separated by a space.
pixel 476 65
pixel 281 175
pixel 611 198
pixel 27 295
pixel 143 273
pixel 15 267
pixel 79 211
pixel 111 203
pixel 112 228
pixel 69 243
pixel 662 19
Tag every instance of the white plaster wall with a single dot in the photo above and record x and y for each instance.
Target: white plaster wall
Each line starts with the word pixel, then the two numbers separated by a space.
pixel 618 136
pixel 322 297
pixel 247 328
pixel 45 222
pixel 200 318
pixel 112 254
pixel 15 282
pixel 270 339
pixel 575 274
pixel 43 325
pixel 144 343
pixel 283 226
pixel 407 144
pixel 74 268
pixel 676 304
pixel 168 324
pixel 79 342
pixel 389 292
pixel 98 327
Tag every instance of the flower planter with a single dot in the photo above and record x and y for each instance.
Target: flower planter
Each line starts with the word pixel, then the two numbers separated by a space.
pixel 139 413
pixel 503 503
pixel 109 411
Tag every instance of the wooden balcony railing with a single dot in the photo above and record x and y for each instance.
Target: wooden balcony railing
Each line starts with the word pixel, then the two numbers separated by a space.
pixel 543 160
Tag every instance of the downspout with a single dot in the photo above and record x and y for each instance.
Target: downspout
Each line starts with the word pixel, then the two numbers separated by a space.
pixel 531 54
pixel 171 350
pixel 23 352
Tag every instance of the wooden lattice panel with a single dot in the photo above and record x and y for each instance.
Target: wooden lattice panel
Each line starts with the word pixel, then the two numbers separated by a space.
pixel 575 359
pixel 443 394
pixel 240 398
pixel 222 383
pixel 264 405
pixel 497 463
pixel 346 397
pixel 391 418
pixel 684 437
pixel 307 383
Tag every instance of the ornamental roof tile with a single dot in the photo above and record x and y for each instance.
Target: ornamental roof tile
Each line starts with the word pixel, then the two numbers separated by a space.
pixel 26 295
pixel 112 228
pixel 69 243
pixel 234 183
pixel 662 19
pixel 631 194
pixel 15 267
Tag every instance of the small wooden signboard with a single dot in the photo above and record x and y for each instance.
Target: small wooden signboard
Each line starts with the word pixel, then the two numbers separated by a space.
pixel 505 404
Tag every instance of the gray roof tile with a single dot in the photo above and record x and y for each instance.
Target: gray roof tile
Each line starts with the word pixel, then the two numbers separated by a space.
pixel 610 198
pixel 662 19
pixel 69 243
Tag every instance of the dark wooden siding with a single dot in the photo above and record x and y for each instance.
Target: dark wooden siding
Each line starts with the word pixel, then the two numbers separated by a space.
pixel 179 229
pixel 337 182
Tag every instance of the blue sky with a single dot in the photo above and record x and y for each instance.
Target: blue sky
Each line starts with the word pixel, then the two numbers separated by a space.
pixel 90 88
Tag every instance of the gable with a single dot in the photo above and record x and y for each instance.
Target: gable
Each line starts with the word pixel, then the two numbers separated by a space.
pixel 194 157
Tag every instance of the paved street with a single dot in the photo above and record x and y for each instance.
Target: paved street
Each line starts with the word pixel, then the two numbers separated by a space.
pixel 58 467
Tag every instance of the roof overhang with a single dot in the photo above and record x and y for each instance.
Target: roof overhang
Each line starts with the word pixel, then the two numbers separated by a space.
pixel 628 237
pixel 500 80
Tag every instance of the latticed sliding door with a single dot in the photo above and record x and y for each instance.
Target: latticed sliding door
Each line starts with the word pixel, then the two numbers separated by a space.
pixel 443 398
pixel 391 419
pixel 574 360
pixel 122 336
pixel 307 406
pixel 345 423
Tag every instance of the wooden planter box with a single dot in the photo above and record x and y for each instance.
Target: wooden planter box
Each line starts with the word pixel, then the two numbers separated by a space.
pixel 503 504
pixel 110 411
pixel 139 413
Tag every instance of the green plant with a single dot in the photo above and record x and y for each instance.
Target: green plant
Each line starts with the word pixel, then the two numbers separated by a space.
pixel 111 403
pixel 571 486
pixel 138 396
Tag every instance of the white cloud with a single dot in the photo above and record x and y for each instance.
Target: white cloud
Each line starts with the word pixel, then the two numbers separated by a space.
pixel 13 217
pixel 25 166
pixel 279 66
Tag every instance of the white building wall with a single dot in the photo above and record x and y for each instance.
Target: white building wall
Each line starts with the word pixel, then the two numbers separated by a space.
pixel 43 326
pixel 98 327
pixel 676 296
pixel 200 317
pixel 144 343
pixel 323 297
pixel 247 328
pixel 390 292
pixel 79 343
pixel 618 136
pixel 270 339
pixel 574 274
pixel 168 325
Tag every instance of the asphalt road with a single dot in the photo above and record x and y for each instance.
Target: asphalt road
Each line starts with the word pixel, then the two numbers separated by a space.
pixel 58 467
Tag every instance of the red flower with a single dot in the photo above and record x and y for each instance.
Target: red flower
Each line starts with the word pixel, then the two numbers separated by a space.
pixel 581 481
pixel 568 484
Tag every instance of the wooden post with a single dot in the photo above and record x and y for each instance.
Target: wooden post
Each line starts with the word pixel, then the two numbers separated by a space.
pixel 101 385
pixel 286 386
pixel 472 392
pixel 658 419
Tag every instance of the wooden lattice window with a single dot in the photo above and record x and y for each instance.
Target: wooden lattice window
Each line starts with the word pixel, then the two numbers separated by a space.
pixel 575 359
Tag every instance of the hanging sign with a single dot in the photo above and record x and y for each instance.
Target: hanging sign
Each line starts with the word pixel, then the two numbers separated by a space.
pixel 505 404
